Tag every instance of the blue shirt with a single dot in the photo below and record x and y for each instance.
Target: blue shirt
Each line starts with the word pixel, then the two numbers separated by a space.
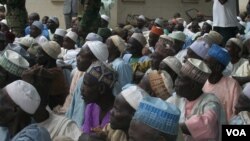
pixel 45 32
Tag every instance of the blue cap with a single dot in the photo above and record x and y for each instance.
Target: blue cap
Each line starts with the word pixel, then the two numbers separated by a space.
pixel 38 24
pixel 220 54
pixel 159 115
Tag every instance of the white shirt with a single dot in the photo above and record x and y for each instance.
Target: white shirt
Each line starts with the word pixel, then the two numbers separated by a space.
pixel 40 39
pixel 225 15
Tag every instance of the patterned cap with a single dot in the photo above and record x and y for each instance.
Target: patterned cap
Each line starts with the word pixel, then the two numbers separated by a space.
pixel 27 41
pixel 13 62
pixel 161 83
pixel 220 54
pixel 159 115
pixel 119 43
pixel 173 63
pixel 157 30
pixel 215 37
pixel 103 73
pixel 196 70
pixel 133 94
pixel 200 47
pixel 52 48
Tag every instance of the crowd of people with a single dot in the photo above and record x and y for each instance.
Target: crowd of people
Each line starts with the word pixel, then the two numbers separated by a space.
pixel 162 80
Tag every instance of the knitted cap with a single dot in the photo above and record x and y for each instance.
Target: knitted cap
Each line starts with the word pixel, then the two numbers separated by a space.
pixel 13 62
pixel 159 115
pixel 220 54
pixel 196 70
pixel 52 48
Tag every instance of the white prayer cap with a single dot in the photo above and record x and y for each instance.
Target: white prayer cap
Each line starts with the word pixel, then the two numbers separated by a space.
pixel 159 22
pixel 200 47
pixel 105 17
pixel 4 21
pixel 60 32
pixel 54 19
pixel 52 48
pixel 24 95
pixel 94 37
pixel 246 90
pixel 119 43
pixel 178 35
pixel 209 22
pixel 27 41
pixel 173 63
pixel 38 24
pixel 133 95
pixel 142 17
pixel 99 49
pixel 72 35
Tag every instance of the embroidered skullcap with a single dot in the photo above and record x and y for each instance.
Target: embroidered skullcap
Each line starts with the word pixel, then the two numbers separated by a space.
pixel 133 94
pixel 99 49
pixel 105 17
pixel 94 37
pixel 238 42
pixel 24 95
pixel 54 19
pixel 178 35
pixel 161 83
pixel 159 21
pixel 27 41
pixel 200 47
pixel 72 35
pixel 13 62
pixel 140 38
pixel 173 63
pixel 118 42
pixel 196 70
pixel 104 32
pixel 102 73
pixel 214 37
pixel 220 54
pixel 142 17
pixel 158 114
pixel 60 32
pixel 38 24
pixel 33 132
pixel 52 48
pixel 246 90
pixel 157 30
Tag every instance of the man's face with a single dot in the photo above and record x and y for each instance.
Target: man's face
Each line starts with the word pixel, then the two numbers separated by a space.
pixel 7 109
pixel 34 31
pixel 121 114
pixel 83 59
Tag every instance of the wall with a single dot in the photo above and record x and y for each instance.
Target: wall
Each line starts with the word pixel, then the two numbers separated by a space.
pixel 47 8
pixel 242 5
pixel 160 8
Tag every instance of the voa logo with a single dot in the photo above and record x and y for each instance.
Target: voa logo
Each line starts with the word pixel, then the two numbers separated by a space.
pixel 236 132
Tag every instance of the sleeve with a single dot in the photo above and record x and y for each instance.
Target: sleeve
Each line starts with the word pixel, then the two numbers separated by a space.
pixel 236 94
pixel 206 125
pixel 125 74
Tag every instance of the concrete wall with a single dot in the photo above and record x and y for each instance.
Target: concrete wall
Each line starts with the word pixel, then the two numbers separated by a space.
pixel 47 8
pixel 120 10
pixel 160 8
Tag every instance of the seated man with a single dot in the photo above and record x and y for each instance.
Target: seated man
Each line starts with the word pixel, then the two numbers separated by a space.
pixel 19 100
pixel 201 114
